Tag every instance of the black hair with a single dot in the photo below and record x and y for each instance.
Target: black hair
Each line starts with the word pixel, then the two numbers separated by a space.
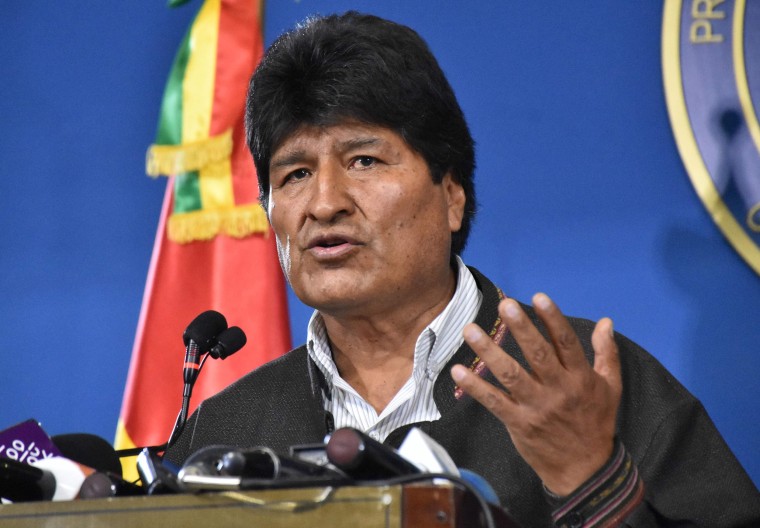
pixel 357 67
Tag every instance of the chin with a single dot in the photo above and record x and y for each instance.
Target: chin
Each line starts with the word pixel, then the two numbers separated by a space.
pixel 336 302
pixel 327 295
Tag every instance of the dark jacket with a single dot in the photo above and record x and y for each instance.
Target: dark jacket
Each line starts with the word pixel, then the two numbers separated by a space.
pixel 690 475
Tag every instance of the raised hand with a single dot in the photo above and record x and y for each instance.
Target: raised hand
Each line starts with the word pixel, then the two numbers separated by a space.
pixel 560 416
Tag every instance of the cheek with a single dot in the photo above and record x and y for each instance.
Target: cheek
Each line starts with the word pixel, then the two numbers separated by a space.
pixel 283 252
pixel 270 204
pixel 282 237
pixel 425 227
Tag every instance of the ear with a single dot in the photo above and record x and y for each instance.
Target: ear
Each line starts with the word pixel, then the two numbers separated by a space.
pixel 455 200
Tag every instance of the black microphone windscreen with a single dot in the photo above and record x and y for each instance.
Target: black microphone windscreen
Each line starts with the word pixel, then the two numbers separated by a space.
pixel 89 450
pixel 20 482
pixel 364 458
pixel 99 485
pixel 228 342
pixel 204 329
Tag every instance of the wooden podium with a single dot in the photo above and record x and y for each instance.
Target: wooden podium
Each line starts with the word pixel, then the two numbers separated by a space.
pixel 408 506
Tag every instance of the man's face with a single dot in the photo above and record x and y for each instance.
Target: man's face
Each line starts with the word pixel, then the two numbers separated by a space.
pixel 361 227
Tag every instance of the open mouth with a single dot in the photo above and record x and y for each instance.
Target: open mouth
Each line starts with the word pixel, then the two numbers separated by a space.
pixel 331 245
pixel 329 242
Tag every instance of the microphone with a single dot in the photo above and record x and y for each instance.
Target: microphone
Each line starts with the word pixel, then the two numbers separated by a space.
pixel 218 467
pixel 228 342
pixel 68 476
pixel 59 479
pixel 96 453
pixel 264 463
pixel 89 450
pixel 100 485
pixel 431 457
pixel 20 482
pixel 52 468
pixel 156 477
pixel 204 329
pixel 365 458
pixel 199 336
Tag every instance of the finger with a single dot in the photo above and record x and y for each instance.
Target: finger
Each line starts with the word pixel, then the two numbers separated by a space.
pixel 606 356
pixel 566 344
pixel 538 352
pixel 505 369
pixel 496 401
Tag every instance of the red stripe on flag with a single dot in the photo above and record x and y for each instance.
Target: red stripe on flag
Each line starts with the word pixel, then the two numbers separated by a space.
pixel 239 29
pixel 240 278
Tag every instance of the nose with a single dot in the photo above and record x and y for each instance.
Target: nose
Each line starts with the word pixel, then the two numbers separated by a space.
pixel 330 196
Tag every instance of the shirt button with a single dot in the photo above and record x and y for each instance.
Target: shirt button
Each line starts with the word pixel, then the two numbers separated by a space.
pixel 374 435
pixel 575 520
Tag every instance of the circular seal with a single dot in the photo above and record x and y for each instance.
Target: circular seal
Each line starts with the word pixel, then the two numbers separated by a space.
pixel 711 73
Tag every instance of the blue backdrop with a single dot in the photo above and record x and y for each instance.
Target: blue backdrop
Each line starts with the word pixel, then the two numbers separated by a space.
pixel 581 191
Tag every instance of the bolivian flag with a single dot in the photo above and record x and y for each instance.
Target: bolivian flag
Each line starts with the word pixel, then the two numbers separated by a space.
pixel 213 248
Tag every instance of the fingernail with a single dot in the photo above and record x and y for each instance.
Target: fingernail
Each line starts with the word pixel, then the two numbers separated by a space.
pixel 472 334
pixel 458 372
pixel 542 301
pixel 510 308
pixel 612 329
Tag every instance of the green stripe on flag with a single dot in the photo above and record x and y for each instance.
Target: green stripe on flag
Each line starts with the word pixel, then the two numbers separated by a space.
pixel 187 195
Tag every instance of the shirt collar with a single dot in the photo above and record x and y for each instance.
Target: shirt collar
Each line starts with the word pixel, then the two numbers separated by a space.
pixel 436 343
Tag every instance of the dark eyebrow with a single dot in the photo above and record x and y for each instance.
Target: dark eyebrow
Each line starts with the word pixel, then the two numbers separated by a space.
pixel 291 158
pixel 296 157
pixel 356 143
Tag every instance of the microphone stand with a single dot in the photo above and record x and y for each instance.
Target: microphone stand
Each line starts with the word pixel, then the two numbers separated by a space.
pixel 187 392
pixel 179 423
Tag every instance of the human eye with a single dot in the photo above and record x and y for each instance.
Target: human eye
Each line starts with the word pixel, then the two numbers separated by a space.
pixel 293 176
pixel 363 162
pixel 298 174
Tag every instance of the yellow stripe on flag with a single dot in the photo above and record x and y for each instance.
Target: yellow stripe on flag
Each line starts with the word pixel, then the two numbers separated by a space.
pixel 197 103
pixel 128 464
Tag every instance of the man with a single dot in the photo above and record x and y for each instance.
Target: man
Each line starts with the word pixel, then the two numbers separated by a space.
pixel 365 167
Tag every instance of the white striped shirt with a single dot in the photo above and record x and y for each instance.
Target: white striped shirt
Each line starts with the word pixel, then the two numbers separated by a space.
pixel 414 401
